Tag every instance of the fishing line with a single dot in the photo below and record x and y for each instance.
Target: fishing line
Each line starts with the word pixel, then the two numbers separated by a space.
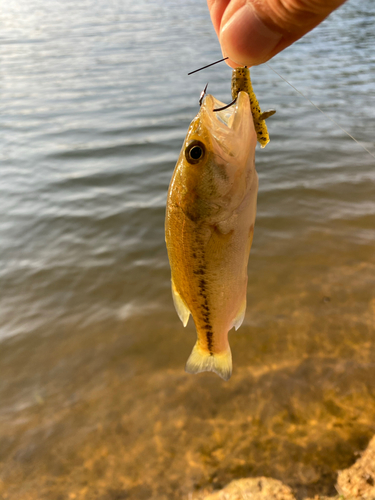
pixel 317 107
pixel 208 65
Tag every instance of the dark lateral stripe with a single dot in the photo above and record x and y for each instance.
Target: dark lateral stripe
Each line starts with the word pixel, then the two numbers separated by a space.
pixel 199 270
pixel 210 344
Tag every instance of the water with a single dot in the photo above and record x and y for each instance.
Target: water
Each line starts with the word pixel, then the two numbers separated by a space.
pixel 95 103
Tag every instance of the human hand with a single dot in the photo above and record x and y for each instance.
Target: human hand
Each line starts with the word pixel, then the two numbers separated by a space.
pixel 252 31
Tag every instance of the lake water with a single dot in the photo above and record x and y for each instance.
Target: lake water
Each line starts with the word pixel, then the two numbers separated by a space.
pixel 94 400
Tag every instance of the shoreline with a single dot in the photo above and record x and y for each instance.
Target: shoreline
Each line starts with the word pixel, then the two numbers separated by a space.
pixel 354 483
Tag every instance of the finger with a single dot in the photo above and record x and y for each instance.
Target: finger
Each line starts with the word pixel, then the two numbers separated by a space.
pixel 251 32
pixel 217 9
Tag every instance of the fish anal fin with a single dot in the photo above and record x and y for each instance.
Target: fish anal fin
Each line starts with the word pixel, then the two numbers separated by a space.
pixel 201 360
pixel 238 320
pixel 180 306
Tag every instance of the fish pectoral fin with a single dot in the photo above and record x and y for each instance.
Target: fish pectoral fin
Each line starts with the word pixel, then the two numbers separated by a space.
pixel 181 308
pixel 226 226
pixel 201 360
pixel 238 320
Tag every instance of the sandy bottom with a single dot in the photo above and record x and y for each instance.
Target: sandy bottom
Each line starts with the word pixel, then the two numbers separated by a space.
pixel 98 414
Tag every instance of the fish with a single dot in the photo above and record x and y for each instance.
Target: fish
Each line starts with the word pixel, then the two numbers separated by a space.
pixel 209 227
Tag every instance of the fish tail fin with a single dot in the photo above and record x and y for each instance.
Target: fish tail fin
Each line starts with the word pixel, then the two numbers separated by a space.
pixel 201 360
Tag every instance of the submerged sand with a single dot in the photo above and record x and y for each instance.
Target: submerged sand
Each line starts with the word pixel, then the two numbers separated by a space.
pixel 93 414
pixel 170 439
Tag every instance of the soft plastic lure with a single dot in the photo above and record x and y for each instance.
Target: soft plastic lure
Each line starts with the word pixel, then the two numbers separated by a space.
pixel 241 82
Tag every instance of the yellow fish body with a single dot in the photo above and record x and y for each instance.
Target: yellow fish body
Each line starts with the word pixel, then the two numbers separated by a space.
pixel 209 227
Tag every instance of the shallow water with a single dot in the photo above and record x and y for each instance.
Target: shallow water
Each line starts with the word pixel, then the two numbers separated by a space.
pixel 94 401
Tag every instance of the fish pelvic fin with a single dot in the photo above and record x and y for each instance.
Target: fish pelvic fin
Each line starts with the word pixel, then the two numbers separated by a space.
pixel 201 360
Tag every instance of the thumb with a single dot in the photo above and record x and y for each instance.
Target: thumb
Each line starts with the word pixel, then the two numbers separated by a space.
pixel 253 31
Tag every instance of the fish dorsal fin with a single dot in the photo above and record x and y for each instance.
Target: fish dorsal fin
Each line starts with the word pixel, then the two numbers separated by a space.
pixel 237 322
pixel 181 308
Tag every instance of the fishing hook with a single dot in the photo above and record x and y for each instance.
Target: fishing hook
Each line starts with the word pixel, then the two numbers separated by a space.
pixel 227 106
pixel 203 93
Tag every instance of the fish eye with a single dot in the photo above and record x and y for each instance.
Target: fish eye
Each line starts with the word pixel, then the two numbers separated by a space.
pixel 195 151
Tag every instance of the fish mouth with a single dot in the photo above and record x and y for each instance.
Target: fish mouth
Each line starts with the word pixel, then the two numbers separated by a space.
pixel 229 118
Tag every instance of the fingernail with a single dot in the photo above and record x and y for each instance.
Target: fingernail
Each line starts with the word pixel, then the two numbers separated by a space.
pixel 245 39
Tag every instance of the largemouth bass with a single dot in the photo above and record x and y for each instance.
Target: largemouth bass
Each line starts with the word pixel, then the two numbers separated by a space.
pixel 209 228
